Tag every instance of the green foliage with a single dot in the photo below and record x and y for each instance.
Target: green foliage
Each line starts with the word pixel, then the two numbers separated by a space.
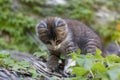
pixel 109 32
pixel 81 10
pixel 96 67
pixel 40 54
pixel 9 63
pixel 14 26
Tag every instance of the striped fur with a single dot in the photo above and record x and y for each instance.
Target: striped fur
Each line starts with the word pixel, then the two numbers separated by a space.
pixel 66 36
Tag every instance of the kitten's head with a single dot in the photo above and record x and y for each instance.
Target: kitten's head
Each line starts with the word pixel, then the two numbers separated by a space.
pixel 52 32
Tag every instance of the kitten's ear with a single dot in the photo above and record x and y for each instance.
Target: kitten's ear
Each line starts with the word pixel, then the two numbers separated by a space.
pixel 60 22
pixel 36 29
pixel 42 24
pixel 40 27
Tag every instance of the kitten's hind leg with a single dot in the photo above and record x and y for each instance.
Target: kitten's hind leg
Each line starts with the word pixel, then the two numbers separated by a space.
pixel 91 45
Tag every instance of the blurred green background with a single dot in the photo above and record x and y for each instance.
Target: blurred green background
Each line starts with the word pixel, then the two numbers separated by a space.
pixel 18 19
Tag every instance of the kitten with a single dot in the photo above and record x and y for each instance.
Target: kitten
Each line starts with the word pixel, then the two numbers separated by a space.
pixel 63 36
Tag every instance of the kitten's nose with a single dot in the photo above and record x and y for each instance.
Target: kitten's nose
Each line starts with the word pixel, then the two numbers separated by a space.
pixel 57 47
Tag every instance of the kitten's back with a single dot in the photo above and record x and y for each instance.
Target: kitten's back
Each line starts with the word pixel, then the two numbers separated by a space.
pixel 83 35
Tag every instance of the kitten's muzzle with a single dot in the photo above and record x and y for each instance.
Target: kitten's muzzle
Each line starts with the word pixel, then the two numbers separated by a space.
pixel 57 47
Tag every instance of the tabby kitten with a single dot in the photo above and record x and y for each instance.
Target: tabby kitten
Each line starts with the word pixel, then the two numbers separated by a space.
pixel 63 36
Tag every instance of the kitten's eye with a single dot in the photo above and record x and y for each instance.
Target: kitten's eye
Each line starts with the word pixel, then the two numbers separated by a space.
pixel 58 42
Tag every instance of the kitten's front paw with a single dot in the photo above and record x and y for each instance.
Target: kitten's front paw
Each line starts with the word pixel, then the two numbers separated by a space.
pixel 52 66
pixel 71 49
pixel 52 62
pixel 67 69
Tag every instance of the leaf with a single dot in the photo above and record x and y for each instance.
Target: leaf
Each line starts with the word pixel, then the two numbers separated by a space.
pixel 53 78
pixel 16 67
pixel 103 76
pixel 79 71
pixel 113 58
pixel 68 79
pixel 34 73
pixel 79 52
pixel 79 78
pixel 114 73
pixel 99 67
pixel 98 53
pixel 40 54
pixel 73 55
pixel 4 54
pixel 86 63
pixel 24 64
pixel 8 62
